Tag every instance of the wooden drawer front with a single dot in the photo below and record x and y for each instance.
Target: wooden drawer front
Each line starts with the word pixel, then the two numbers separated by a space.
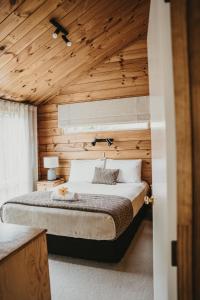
pixel 47 185
pixel 42 188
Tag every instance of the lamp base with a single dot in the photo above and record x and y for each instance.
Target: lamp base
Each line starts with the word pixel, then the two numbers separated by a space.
pixel 51 174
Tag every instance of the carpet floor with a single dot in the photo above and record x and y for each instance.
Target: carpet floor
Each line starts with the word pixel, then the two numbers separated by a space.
pixel 130 279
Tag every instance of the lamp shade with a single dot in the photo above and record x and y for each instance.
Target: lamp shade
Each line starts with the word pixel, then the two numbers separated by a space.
pixel 51 162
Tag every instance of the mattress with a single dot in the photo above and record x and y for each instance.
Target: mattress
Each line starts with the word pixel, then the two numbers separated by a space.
pixel 77 224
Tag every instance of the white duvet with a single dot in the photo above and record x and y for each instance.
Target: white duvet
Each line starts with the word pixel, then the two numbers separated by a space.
pixel 72 223
pixel 127 190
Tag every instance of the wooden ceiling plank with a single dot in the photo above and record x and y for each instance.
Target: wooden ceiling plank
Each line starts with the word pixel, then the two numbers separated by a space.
pixel 24 68
pixel 7 8
pixel 47 44
pixel 89 15
pixel 84 68
pixel 35 18
pixel 98 44
pixel 18 16
pixel 30 38
pixel 105 20
pixel 127 56
pixel 100 41
pixel 37 55
pixel 113 41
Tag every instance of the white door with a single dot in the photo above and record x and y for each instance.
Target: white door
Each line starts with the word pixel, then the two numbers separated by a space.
pixel 163 149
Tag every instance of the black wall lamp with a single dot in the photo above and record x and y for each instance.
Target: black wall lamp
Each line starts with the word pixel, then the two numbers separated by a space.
pixel 60 29
pixel 109 141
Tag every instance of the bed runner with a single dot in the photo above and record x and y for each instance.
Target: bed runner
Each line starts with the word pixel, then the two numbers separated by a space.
pixel 119 208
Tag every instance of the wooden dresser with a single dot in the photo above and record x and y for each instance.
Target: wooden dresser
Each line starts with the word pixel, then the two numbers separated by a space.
pixel 24 272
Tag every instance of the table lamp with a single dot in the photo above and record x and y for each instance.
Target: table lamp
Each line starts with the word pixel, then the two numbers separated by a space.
pixel 51 163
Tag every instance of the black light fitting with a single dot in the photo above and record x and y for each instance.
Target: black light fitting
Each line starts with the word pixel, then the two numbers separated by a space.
pixel 13 2
pixel 60 29
pixel 109 141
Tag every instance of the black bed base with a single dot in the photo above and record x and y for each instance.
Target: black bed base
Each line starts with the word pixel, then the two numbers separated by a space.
pixel 103 251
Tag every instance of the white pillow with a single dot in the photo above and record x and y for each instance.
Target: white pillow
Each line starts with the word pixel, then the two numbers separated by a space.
pixel 129 170
pixel 83 170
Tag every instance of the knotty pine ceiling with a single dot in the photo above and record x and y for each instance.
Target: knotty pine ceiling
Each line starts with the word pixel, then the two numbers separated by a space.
pixel 36 68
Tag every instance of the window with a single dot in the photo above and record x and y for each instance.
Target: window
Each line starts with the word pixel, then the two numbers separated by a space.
pixel 106 115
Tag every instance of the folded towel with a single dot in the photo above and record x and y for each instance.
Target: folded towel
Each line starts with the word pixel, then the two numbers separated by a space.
pixel 66 197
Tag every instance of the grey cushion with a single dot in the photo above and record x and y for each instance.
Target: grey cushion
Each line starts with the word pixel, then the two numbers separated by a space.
pixel 105 176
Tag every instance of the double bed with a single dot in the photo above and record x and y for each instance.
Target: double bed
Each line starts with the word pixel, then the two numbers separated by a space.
pixel 86 233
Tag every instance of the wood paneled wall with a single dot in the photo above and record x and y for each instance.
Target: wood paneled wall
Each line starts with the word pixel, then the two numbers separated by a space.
pixel 122 75
pixel 127 144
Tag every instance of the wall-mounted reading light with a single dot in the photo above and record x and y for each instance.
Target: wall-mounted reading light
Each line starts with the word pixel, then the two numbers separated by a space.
pixel 60 29
pixel 109 141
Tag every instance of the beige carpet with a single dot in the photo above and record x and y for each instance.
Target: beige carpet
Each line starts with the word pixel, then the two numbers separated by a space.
pixel 130 279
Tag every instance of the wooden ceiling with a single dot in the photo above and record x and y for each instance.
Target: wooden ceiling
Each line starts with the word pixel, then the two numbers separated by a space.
pixel 36 68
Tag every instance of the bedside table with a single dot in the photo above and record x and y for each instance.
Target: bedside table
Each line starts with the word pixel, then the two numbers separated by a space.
pixel 45 185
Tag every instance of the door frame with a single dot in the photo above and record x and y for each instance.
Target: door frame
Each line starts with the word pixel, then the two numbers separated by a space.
pixel 193 16
pixel 185 23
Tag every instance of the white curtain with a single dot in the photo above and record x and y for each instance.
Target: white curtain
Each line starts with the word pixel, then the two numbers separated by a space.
pixel 18 149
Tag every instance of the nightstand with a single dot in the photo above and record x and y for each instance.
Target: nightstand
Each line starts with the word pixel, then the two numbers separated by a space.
pixel 45 185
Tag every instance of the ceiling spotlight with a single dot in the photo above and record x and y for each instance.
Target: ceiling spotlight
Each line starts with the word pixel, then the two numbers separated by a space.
pixel 68 42
pixel 60 28
pixel 55 34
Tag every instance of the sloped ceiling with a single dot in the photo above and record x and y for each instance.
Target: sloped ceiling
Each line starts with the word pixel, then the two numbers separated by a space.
pixel 36 68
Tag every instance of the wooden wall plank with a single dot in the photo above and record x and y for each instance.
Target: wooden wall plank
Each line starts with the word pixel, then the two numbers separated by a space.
pixel 109 84
pixel 120 92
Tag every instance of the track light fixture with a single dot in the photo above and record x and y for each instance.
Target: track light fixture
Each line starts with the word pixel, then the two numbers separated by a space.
pixel 60 29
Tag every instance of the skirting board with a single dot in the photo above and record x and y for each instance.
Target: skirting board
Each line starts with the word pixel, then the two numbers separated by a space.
pixel 104 251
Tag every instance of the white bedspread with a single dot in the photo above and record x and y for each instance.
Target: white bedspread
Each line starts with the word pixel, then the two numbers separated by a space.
pixel 127 190
pixel 72 223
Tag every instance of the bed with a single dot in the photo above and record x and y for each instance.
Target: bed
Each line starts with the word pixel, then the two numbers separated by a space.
pixel 86 234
